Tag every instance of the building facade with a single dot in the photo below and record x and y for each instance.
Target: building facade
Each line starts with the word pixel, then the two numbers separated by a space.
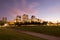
pixel 25 18
pixel 18 19
pixel 4 19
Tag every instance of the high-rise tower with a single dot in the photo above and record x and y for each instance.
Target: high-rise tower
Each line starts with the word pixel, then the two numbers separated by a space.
pixel 18 19
pixel 25 18
pixel 4 19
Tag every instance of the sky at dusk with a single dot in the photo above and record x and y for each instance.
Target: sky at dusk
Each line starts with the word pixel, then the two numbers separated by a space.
pixel 48 10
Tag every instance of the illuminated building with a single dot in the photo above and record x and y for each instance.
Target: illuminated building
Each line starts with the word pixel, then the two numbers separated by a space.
pixel 25 18
pixel 18 19
pixel 33 19
pixel 4 19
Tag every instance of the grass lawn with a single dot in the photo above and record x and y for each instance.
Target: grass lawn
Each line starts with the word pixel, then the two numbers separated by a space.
pixel 8 34
pixel 50 30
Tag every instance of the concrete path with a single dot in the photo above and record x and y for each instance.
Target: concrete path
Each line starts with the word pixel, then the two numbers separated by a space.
pixel 39 35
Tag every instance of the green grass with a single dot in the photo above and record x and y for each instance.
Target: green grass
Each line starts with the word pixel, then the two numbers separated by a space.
pixel 50 30
pixel 8 34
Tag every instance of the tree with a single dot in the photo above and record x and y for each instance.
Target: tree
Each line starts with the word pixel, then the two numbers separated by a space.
pixel 44 23
pixel 17 24
pixel 2 23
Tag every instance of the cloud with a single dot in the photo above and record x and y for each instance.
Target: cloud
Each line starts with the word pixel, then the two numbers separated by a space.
pixel 31 8
pixel 25 9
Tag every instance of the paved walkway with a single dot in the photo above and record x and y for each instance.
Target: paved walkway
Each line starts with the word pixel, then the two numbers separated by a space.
pixel 39 35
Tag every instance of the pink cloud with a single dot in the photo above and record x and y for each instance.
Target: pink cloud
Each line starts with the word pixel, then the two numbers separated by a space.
pixel 31 8
pixel 25 10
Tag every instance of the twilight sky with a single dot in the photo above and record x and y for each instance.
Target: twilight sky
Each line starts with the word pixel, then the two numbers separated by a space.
pixel 48 10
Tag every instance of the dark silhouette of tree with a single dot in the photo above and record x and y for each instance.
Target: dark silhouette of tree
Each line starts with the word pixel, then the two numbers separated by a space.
pixel 17 24
pixel 44 23
pixel 2 22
